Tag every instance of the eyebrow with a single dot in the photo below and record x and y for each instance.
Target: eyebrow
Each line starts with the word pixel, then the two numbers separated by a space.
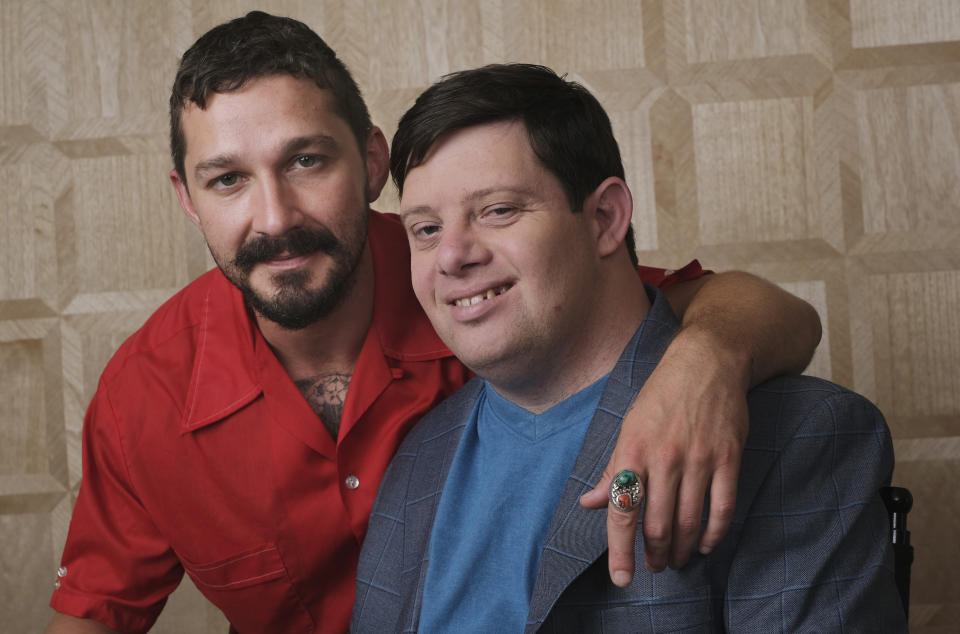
pixel 482 193
pixel 212 164
pixel 473 196
pixel 323 141
pixel 291 146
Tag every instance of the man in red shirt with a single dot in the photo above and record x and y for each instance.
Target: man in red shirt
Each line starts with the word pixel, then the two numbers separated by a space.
pixel 241 434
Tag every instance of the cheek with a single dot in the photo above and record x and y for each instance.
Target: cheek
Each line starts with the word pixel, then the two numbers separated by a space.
pixel 351 185
pixel 225 224
pixel 228 240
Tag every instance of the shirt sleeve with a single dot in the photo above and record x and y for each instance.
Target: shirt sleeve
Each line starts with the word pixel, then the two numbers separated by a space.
pixel 116 568
pixel 665 278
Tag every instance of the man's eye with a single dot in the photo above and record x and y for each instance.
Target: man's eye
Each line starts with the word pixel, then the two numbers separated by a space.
pixel 307 160
pixel 226 180
pixel 500 212
pixel 425 230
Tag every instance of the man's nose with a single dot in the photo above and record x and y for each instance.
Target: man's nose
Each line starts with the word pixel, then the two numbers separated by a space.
pixel 460 249
pixel 277 210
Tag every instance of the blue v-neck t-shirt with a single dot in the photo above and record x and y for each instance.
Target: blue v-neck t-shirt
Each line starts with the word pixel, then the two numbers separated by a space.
pixel 500 496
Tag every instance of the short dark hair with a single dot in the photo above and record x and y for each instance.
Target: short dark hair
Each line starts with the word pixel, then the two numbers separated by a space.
pixel 569 130
pixel 260 45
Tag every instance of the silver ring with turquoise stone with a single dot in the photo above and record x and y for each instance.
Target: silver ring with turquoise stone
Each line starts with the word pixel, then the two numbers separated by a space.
pixel 625 491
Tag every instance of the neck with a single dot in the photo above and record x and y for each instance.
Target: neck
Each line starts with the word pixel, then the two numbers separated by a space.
pixel 333 343
pixel 610 318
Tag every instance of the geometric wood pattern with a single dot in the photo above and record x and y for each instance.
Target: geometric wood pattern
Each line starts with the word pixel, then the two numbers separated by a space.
pixel 813 142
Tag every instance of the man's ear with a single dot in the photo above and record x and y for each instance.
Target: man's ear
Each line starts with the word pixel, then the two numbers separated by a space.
pixel 186 203
pixel 610 209
pixel 377 160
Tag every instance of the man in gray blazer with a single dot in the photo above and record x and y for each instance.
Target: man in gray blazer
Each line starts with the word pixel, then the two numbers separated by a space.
pixel 514 202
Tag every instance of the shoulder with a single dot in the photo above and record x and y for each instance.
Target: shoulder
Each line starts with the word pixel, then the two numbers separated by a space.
pixel 797 389
pixel 805 404
pixel 818 432
pixel 151 375
pixel 166 327
pixel 809 510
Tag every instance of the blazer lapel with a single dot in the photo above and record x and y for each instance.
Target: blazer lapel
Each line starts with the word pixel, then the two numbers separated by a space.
pixel 577 537
pixel 426 483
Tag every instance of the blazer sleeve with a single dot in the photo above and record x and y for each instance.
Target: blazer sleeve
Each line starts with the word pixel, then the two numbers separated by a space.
pixel 814 554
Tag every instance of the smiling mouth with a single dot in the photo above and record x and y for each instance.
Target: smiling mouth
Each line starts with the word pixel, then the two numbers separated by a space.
pixel 490 293
pixel 285 255
pixel 286 260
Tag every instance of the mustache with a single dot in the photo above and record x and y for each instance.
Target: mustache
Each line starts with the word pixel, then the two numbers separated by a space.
pixel 295 242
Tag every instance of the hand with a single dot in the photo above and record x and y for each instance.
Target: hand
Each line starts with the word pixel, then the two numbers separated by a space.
pixel 683 435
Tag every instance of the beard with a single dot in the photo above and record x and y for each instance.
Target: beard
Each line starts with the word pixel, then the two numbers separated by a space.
pixel 293 305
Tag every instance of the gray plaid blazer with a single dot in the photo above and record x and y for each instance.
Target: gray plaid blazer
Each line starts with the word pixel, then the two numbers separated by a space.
pixel 807 550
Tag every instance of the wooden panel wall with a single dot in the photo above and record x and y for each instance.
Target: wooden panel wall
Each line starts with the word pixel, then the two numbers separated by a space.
pixel 815 142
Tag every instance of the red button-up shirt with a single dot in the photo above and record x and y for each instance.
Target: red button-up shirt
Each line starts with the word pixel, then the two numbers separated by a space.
pixel 201 455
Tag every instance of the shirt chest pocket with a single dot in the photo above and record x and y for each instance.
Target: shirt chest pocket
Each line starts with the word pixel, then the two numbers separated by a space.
pixel 253 589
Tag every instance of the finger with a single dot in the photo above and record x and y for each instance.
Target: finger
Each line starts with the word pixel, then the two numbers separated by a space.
pixel 658 518
pixel 686 519
pixel 621 540
pixel 723 501
pixel 599 496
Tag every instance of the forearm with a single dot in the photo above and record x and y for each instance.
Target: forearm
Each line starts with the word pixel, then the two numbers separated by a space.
pixel 757 328
pixel 64 624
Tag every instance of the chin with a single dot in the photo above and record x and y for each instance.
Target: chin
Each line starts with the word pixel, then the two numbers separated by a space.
pixel 482 360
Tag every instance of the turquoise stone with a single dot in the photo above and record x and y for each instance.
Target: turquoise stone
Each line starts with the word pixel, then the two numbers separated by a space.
pixel 626 479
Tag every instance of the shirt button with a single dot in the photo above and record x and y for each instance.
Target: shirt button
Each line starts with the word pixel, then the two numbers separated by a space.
pixel 62 571
pixel 352 482
pixel 56 584
pixel 668 272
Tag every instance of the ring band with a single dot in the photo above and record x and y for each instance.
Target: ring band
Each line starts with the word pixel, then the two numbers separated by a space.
pixel 625 491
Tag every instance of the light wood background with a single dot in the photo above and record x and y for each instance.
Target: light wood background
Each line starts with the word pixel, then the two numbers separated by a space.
pixel 814 142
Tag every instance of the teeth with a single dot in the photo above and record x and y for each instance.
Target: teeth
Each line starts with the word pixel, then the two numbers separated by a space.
pixel 476 299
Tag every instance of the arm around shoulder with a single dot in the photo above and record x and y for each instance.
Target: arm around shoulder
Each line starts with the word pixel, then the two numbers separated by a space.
pixel 685 431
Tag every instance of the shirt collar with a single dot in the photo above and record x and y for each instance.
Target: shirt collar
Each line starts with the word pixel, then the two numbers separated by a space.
pixel 225 376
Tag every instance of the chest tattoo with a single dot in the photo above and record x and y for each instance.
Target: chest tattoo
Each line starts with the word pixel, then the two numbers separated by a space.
pixel 326 394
